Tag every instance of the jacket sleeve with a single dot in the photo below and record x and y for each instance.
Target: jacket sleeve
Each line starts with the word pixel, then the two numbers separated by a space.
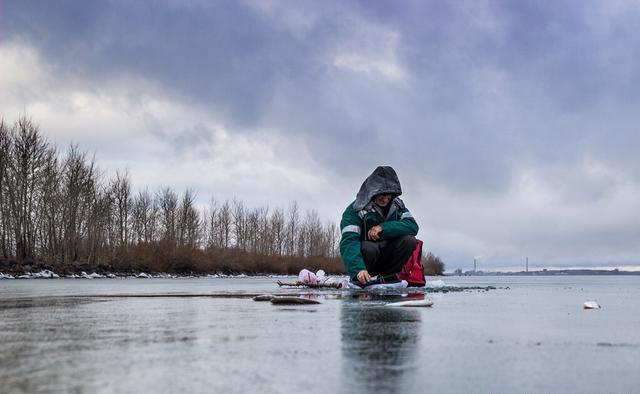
pixel 398 228
pixel 351 229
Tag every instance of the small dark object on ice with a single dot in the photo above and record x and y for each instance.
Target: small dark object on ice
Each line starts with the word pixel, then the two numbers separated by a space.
pixel 311 285
pixel 263 297
pixel 292 301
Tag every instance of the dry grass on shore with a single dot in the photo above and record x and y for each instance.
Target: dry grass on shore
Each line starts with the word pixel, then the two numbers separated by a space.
pixel 168 258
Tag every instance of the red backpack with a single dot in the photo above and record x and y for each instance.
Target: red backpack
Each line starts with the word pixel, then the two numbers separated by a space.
pixel 413 271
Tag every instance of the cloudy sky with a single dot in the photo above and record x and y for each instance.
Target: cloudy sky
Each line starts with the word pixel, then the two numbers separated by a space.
pixel 513 125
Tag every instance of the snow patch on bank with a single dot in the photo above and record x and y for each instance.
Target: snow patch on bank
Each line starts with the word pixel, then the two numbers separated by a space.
pixel 84 275
pixel 47 274
pixel 44 274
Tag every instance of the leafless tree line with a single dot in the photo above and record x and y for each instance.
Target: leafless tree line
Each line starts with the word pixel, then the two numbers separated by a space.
pixel 433 265
pixel 59 208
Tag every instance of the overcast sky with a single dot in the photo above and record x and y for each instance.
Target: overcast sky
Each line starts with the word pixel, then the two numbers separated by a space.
pixel 513 125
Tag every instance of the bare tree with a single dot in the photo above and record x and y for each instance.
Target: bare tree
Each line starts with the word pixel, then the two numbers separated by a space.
pixel 121 192
pixel 251 230
pixel 211 218
pixel 293 221
pixel 167 202
pixel 143 217
pixel 224 224
pixel 310 236
pixel 50 209
pixel 332 236
pixel 433 265
pixel 188 225
pixel 25 175
pixel 78 179
pixel 277 232
pixel 239 223
pixel 5 157
pixel 100 220
pixel 265 237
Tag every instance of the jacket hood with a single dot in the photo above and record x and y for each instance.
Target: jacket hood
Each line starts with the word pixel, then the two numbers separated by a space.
pixel 383 180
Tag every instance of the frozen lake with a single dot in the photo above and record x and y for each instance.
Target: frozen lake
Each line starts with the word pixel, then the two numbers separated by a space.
pixel 101 336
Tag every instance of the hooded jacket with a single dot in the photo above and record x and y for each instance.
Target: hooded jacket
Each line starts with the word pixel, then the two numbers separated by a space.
pixel 362 214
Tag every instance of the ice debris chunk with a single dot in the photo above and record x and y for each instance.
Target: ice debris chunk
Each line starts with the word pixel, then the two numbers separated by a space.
pixel 439 284
pixel 264 297
pixel 590 305
pixel 412 303
pixel 347 284
pixel 293 301
pixel 403 284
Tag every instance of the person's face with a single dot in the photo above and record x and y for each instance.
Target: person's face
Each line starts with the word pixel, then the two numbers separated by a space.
pixel 382 200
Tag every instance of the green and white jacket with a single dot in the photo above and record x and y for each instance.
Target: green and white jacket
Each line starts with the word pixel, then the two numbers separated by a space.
pixel 362 214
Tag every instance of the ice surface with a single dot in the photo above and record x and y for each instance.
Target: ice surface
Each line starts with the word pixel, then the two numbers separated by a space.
pixel 106 336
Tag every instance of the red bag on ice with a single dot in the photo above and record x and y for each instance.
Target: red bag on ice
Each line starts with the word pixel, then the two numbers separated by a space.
pixel 413 270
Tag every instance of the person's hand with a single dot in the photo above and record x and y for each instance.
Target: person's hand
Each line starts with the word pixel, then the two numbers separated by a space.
pixel 374 233
pixel 364 277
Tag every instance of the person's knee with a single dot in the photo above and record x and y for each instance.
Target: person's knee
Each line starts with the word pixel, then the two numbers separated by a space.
pixel 408 241
pixel 370 251
pixel 369 248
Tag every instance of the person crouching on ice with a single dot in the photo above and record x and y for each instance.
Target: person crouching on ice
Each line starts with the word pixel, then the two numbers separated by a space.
pixel 378 231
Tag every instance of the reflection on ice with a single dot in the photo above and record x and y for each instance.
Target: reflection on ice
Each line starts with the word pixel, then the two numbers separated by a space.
pixel 379 346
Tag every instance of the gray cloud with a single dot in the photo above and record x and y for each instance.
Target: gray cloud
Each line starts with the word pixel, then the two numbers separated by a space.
pixel 192 141
pixel 465 96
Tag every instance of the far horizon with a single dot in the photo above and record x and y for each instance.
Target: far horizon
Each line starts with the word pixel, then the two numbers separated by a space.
pixel 625 268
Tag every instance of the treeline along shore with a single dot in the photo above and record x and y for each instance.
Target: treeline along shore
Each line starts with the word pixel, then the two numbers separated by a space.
pixel 58 212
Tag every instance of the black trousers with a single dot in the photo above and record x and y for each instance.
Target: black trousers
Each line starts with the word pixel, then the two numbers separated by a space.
pixel 389 256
